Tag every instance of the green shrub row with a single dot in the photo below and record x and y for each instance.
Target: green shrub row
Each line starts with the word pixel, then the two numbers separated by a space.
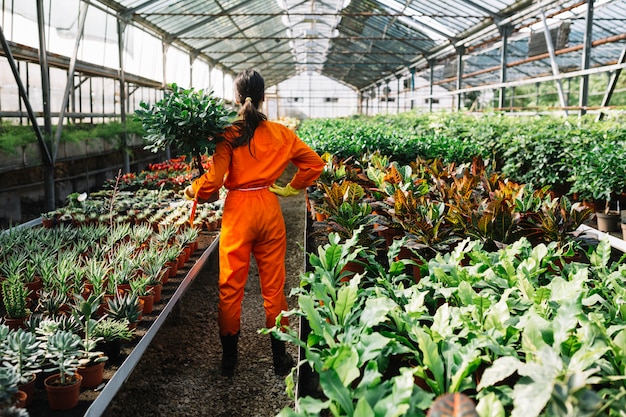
pixel 578 156
pixel 13 137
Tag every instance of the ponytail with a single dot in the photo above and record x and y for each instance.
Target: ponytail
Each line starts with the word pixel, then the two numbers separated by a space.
pixel 250 88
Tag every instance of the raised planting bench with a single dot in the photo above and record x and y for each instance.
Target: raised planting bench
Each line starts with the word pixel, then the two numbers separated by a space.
pixel 94 402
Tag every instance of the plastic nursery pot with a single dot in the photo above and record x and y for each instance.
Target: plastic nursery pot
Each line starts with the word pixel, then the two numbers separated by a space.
pixel 608 222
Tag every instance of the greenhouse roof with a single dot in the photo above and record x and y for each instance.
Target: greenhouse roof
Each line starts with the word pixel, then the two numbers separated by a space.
pixel 368 43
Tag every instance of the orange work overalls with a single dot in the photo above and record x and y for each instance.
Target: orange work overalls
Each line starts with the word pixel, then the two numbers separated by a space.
pixel 252 221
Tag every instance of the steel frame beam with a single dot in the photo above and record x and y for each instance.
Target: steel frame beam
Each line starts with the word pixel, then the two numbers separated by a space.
pixel 612 84
pixel 586 58
pixel 83 7
pixel 553 63
pixel 24 96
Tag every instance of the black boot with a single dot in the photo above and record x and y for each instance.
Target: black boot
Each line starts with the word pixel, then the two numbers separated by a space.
pixel 229 354
pixel 282 360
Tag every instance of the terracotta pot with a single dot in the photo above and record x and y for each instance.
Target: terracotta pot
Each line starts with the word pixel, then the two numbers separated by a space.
pixel 182 259
pixel 156 291
pixel 62 397
pixel 92 375
pixel 148 303
pixel 122 288
pixel 188 250
pixel 172 270
pixel 389 234
pixel 34 287
pixel 15 324
pixel 320 217
pixel 19 399
pixel 351 269
pixel 29 389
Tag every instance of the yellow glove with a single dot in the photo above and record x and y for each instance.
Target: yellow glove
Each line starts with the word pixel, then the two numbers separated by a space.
pixel 286 191
pixel 189 194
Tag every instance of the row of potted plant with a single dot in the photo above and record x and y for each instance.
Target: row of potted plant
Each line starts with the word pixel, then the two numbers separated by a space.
pixel 68 350
pixel 578 157
pixel 519 330
pixel 436 205
pixel 157 208
pixel 173 174
pixel 465 295
pixel 90 279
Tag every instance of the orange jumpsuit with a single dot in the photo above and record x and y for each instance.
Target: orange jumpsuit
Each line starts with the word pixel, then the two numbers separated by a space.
pixel 252 221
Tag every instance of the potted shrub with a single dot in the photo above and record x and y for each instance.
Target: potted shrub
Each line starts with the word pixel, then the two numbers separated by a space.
pixel 554 220
pixel 139 287
pixel 153 269
pixel 9 392
pixel 187 120
pixel 63 386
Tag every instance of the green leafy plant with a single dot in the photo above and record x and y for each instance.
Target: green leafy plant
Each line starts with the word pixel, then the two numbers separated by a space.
pixel 8 386
pixel 555 220
pixel 190 121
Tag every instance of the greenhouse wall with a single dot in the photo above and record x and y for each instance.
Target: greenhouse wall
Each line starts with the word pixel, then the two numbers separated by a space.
pixel 310 95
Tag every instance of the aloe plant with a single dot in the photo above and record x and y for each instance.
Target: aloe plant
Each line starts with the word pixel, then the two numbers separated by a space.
pixel 125 306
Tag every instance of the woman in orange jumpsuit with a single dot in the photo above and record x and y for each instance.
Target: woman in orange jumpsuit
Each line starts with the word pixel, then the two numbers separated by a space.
pixel 252 155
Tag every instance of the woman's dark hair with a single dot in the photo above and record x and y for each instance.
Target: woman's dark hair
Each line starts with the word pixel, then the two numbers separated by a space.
pixel 250 90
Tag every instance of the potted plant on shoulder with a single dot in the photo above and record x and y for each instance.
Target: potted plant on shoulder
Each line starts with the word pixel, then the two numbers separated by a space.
pixel 63 387
pixel 187 120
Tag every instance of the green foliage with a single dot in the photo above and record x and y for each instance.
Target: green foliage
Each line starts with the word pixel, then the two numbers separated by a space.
pixel 109 329
pixel 23 353
pixel 574 155
pixel 190 121
pixel 519 330
pixel 8 386
pixel 13 137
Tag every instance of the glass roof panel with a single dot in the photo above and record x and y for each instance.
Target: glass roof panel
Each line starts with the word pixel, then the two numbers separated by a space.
pixel 364 43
